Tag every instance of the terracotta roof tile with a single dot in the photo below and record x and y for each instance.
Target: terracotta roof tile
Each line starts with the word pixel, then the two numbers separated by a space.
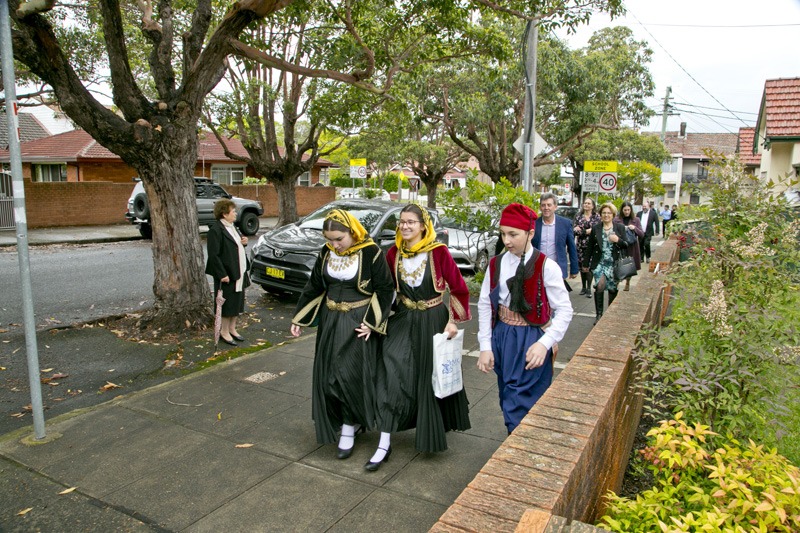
pixel 29 129
pixel 692 145
pixel 745 147
pixel 781 106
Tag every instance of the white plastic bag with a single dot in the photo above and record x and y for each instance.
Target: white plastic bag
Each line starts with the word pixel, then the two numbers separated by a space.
pixel 447 377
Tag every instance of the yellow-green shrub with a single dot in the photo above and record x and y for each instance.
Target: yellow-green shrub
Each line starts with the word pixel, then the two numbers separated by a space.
pixel 734 489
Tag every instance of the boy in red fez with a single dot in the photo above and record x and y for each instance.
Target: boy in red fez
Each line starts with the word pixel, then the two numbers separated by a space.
pixel 524 310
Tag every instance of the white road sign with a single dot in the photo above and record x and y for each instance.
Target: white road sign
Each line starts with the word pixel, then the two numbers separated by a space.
pixel 591 181
pixel 608 182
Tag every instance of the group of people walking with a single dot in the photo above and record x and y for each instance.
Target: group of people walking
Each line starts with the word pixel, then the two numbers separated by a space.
pixel 377 313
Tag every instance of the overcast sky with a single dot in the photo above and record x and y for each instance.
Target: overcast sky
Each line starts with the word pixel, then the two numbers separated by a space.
pixel 730 47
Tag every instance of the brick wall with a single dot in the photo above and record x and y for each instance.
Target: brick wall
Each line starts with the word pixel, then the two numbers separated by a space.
pixel 573 445
pixel 91 203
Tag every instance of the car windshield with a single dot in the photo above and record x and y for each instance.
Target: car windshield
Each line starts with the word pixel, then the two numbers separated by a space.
pixel 367 217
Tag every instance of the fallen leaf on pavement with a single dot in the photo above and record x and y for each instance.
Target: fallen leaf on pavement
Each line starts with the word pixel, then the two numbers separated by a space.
pixel 2 368
pixel 59 376
pixel 47 370
pixel 18 415
pixel 188 324
pixel 67 491
pixel 25 511
pixel 108 386
pixel 244 445
pixel 219 415
pixel 281 373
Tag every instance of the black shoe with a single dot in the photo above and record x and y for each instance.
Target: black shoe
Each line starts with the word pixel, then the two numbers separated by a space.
pixel 589 294
pixel 372 467
pixel 344 454
pixel 583 291
pixel 238 337
pixel 597 319
pixel 226 341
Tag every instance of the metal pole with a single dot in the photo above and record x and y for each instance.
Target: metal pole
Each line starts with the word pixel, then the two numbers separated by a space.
pixel 664 115
pixel 20 219
pixel 531 45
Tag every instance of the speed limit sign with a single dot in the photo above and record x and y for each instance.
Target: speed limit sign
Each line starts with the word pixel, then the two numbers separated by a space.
pixel 362 172
pixel 608 182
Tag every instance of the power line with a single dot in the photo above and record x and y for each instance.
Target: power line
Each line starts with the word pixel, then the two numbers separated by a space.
pixel 714 108
pixel 713 120
pixel 686 71
pixel 701 113
pixel 719 26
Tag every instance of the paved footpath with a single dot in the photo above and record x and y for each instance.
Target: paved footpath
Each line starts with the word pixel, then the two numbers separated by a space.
pixel 232 448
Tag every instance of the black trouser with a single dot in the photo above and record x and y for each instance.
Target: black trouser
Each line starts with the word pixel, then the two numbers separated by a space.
pixel 644 246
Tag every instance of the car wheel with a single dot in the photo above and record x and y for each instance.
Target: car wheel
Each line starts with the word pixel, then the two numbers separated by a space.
pixel 141 207
pixel 146 230
pixel 249 223
pixel 482 261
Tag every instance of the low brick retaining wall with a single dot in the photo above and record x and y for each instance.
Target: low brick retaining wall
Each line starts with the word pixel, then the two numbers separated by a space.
pixel 573 446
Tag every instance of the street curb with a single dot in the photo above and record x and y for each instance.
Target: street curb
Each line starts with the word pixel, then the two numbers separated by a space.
pixel 23 431
pixel 74 241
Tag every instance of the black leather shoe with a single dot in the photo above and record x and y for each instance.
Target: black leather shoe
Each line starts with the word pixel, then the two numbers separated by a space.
pixel 583 291
pixel 226 341
pixel 238 337
pixel 344 454
pixel 372 467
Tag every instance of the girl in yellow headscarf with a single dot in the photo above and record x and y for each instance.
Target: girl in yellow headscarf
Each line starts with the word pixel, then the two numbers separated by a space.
pixel 422 269
pixel 349 296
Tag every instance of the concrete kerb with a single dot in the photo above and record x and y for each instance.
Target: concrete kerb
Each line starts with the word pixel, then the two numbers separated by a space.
pixel 24 432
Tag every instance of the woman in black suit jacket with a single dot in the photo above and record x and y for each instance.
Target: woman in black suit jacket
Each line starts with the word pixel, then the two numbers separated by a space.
pixel 227 264
pixel 606 243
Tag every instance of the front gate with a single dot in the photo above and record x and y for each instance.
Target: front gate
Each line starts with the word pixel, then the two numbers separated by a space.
pixel 6 202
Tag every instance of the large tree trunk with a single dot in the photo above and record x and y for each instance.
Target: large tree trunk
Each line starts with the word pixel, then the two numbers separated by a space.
pixel 287 203
pixel 180 286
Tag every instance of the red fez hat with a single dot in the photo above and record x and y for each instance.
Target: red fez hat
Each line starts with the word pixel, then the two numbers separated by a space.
pixel 518 216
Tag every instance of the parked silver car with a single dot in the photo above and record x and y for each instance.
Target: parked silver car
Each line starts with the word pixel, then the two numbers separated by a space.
pixel 471 249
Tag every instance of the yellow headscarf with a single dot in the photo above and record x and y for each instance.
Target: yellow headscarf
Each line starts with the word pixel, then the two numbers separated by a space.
pixel 360 238
pixel 427 243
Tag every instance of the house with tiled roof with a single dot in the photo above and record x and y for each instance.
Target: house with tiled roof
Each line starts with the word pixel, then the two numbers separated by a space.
pixel 75 156
pixel 691 153
pixel 30 128
pixel 777 131
pixel 744 148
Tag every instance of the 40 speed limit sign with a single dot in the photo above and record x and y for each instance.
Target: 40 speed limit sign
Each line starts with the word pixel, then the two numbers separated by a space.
pixel 608 182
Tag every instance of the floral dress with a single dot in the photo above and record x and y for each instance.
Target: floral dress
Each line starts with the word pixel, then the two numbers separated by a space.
pixel 606 266
pixel 581 237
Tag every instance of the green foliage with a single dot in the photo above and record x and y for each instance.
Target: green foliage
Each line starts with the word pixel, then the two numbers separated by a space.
pixel 250 180
pixel 729 356
pixel 737 488
pixel 640 177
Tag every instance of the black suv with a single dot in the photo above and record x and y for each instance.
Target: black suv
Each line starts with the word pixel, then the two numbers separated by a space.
pixel 206 194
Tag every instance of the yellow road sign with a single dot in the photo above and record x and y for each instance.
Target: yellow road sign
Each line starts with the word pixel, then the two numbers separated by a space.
pixel 600 166
pixel 363 162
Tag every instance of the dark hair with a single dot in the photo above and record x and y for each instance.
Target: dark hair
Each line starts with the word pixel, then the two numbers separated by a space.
pixel 222 207
pixel 334 225
pixel 622 208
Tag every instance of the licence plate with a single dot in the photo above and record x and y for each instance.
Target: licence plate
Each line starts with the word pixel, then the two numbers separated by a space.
pixel 276 273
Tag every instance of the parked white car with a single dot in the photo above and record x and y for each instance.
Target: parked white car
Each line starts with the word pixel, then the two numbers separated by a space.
pixel 350 192
pixel 471 249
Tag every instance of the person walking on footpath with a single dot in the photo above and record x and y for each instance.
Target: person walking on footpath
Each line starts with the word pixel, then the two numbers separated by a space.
pixel 348 298
pixel 555 238
pixel 523 310
pixel 649 222
pixel 227 264
pixel 582 226
pixel 633 232
pixel 665 215
pixel 422 270
pixel 607 243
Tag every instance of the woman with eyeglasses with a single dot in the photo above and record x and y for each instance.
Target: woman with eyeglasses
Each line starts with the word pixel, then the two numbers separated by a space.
pixel 348 298
pixel 606 245
pixel 422 270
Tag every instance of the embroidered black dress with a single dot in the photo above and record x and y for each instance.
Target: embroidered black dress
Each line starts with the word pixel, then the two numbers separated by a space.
pixel 405 393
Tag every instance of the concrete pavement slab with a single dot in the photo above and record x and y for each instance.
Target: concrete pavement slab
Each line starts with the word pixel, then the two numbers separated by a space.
pixel 289 434
pixel 285 372
pixel 213 404
pixel 487 418
pixel 298 498
pixel 385 510
pixel 195 484
pixel 441 477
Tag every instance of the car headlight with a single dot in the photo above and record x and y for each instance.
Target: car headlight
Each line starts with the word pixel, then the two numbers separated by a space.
pixel 261 246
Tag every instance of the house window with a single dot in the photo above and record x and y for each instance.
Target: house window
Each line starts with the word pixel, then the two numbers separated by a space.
pixel 304 180
pixel 694 199
pixel 49 172
pixel 670 166
pixel 671 193
pixel 227 175
pixel 324 177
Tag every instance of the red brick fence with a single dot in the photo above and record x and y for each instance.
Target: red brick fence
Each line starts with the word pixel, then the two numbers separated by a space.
pixel 93 203
pixel 573 446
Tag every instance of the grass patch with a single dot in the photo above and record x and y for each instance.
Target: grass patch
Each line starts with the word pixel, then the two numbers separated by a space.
pixel 227 356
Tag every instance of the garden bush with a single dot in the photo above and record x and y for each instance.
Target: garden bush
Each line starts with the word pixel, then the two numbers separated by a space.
pixel 736 488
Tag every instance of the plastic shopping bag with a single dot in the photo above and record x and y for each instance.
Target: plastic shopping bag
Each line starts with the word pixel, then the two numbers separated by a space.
pixel 447 377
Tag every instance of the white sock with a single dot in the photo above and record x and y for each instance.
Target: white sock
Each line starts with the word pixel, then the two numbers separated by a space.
pixel 348 437
pixel 383 446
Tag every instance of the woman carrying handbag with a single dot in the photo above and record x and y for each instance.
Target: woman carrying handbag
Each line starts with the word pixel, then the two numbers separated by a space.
pixel 607 245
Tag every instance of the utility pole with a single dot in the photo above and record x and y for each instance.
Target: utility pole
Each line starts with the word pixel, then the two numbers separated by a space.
pixel 664 115
pixel 531 50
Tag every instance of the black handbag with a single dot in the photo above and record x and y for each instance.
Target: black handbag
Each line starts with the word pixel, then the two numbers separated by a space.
pixel 624 268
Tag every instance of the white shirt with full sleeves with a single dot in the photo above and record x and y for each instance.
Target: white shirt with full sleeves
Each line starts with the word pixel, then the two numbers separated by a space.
pixel 557 296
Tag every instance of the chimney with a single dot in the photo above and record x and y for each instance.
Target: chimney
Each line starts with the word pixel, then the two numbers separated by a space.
pixel 683 130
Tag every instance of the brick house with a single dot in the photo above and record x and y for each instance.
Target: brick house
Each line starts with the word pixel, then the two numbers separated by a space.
pixel 777 132
pixel 74 156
